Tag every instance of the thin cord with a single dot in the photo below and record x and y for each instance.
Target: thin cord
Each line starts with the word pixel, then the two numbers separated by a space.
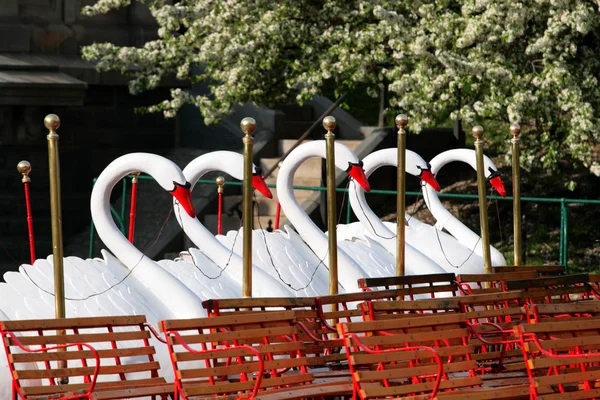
pixel 312 276
pixel 442 248
pixel 116 284
pixel 368 220
pixel 228 259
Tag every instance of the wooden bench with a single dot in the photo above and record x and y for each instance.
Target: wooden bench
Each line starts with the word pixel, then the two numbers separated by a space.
pixel 420 358
pixel 469 284
pixel 433 285
pixel 540 269
pixel 553 289
pixel 256 355
pixel 110 349
pixel 562 357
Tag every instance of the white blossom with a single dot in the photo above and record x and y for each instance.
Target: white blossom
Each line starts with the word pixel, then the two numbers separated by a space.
pixel 535 62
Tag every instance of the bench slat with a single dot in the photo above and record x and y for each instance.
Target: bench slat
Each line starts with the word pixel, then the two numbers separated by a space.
pixel 68 323
pixel 227 320
pixel 80 371
pixel 241 368
pixel 79 354
pixel 190 390
pixel 74 387
pixel 81 338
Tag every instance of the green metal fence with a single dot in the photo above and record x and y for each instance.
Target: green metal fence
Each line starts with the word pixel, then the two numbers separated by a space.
pixel 564 221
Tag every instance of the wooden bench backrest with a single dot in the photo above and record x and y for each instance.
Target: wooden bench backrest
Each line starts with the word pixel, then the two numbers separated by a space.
pixel 487 283
pixel 272 334
pixel 540 269
pixel 380 373
pixel 553 289
pixel 432 284
pixel 378 310
pixel 344 307
pixel 115 339
pixel 574 372
pixel 305 307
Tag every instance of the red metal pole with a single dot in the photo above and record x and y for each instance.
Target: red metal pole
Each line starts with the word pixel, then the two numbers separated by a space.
pixel 220 183
pixel 134 182
pixel 277 214
pixel 24 167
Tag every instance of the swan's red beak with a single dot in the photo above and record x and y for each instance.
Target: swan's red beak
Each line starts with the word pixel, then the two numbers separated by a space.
pixel 428 177
pixel 258 183
pixel 357 173
pixel 184 196
pixel 497 183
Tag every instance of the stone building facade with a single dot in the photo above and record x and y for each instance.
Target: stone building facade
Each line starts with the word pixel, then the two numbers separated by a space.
pixel 41 72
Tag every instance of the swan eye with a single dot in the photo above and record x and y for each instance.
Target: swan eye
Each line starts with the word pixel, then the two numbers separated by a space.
pixel 493 173
pixel 257 171
pixel 356 164
pixel 186 185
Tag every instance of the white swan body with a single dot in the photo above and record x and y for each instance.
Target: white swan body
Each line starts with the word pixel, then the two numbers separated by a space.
pixel 448 252
pixel 263 284
pixel 350 269
pixel 445 219
pixel 417 262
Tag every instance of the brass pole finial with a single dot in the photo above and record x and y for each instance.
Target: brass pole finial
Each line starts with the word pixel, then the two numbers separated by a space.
pixel 52 123
pixel 134 177
pixel 329 123
pixel 24 168
pixel 220 181
pixel 515 130
pixel 401 121
pixel 477 132
pixel 248 126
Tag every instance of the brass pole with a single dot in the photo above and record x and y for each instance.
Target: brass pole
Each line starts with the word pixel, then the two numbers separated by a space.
pixel 52 122
pixel 483 215
pixel 515 130
pixel 248 125
pixel 329 123
pixel 401 122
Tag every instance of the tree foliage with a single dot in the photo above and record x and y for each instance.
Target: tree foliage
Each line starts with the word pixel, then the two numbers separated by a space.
pixel 534 62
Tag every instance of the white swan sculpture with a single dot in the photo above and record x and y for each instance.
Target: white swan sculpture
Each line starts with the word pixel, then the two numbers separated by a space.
pixel 284 257
pixel 444 218
pixel 356 259
pixel 210 250
pixel 452 254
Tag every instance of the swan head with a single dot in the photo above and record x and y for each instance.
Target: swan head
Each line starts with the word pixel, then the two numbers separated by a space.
pixel 258 182
pixel 183 195
pixel 357 172
pixel 426 175
pixel 496 181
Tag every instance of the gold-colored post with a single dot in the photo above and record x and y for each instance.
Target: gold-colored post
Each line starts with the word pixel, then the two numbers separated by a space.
pixel 248 125
pixel 401 122
pixel 515 130
pixel 483 215
pixel 329 124
pixel 52 122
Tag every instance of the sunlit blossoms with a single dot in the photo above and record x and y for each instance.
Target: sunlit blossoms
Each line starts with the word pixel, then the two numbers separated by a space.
pixel 535 62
